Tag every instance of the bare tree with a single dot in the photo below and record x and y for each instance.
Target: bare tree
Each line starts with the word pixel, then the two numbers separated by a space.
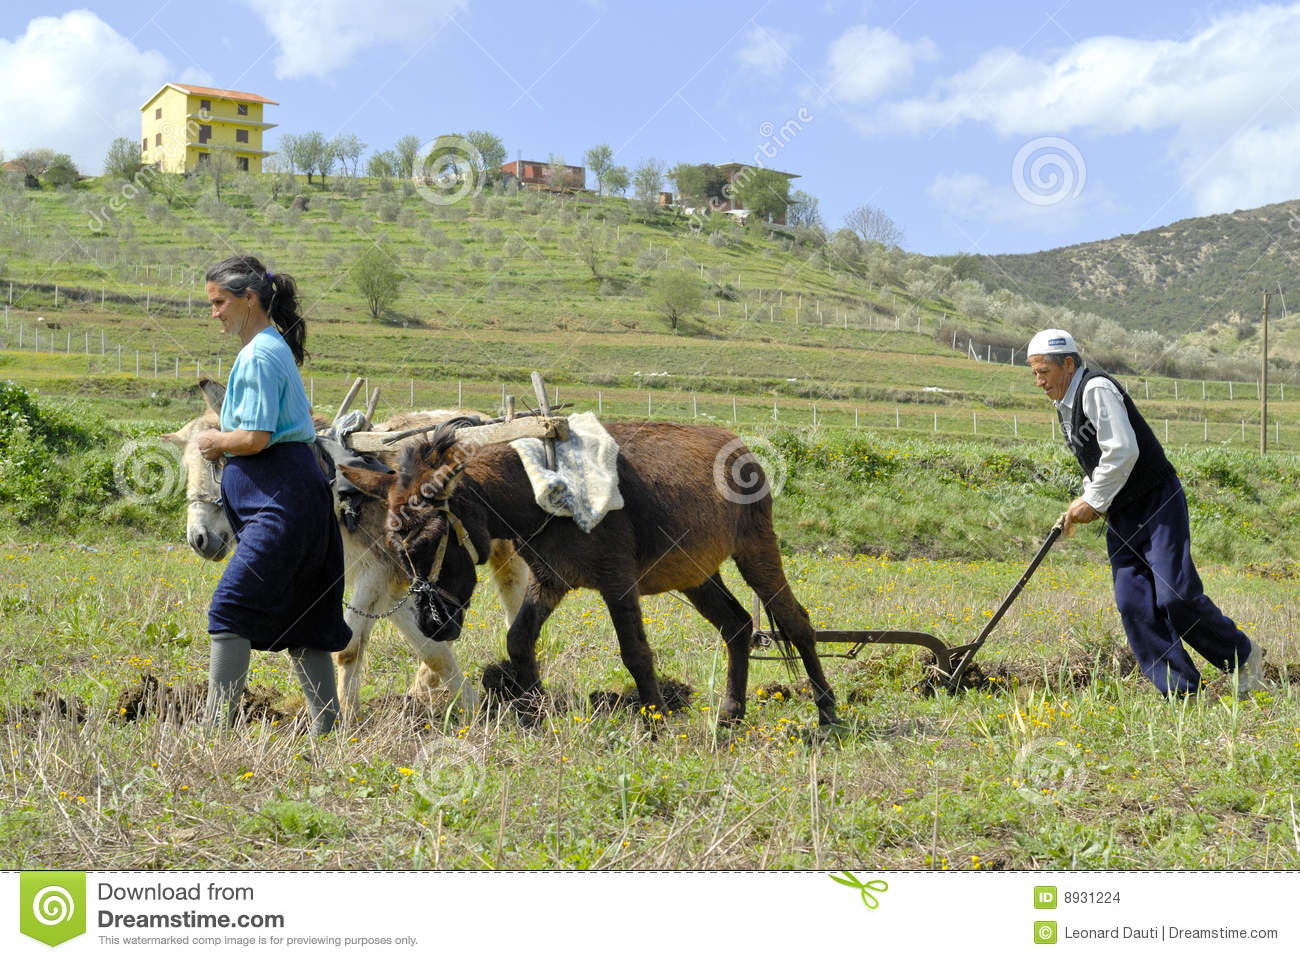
pixel 874 225
pixel 348 148
pixel 647 181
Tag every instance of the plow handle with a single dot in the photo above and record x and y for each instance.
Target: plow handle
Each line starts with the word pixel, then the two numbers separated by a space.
pixel 1010 598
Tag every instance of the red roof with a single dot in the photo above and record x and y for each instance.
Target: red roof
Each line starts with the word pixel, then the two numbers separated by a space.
pixel 215 92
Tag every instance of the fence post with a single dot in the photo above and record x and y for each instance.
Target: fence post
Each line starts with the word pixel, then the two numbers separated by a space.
pixel 155 364
pixel 855 416
pixel 1175 389
pixel 974 422
pixel 936 421
pixel 1243 430
pixel 649 404
pixel 695 409
pixel 1205 430
pixel 1015 424
pixel 897 420
pixel 1147 384
pixel 1166 430
pixel 177 374
pixel 1202 389
pixel 774 413
pixel 1229 389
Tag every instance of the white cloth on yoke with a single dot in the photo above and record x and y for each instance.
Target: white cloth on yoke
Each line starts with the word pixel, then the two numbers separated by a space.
pixel 584 483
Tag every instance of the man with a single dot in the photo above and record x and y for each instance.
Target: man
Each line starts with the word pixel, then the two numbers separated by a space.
pixel 1133 485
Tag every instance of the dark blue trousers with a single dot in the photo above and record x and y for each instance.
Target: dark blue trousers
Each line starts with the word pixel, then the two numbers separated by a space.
pixel 1161 601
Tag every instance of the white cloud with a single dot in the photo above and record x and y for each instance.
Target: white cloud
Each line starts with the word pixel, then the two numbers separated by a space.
pixel 972 197
pixel 765 50
pixel 865 62
pixel 329 34
pixel 1224 99
pixel 73 83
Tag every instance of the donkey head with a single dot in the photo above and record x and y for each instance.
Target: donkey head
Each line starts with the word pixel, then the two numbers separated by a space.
pixel 206 528
pixel 425 530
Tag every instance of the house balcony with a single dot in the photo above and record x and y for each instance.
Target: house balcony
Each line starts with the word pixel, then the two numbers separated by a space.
pixel 233 120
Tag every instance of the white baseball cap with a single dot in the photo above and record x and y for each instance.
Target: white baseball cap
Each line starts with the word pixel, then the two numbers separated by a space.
pixel 1051 341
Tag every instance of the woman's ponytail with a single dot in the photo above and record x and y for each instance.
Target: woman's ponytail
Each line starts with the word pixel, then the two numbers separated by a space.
pixel 276 292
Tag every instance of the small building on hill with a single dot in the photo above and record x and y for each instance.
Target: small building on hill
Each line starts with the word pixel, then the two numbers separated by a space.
pixel 536 173
pixel 733 172
pixel 183 126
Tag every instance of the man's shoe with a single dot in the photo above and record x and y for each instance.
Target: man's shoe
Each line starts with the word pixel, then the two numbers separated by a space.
pixel 1249 677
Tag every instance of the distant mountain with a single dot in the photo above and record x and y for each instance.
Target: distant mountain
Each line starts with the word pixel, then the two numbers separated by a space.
pixel 1199 280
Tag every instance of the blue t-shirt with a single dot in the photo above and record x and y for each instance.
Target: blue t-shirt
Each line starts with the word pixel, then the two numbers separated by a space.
pixel 265 392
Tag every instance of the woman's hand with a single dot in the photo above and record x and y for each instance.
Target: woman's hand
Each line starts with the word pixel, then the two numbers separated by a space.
pixel 210 446
pixel 242 443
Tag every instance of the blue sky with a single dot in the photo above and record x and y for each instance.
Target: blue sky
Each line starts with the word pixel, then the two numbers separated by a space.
pixel 1005 128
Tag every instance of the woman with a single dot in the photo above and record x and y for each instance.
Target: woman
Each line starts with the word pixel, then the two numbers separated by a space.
pixel 283 588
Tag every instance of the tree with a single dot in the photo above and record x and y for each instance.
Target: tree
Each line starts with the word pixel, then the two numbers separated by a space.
pixel 590 243
pixel 309 153
pixel 220 167
pixel 804 211
pixel 675 293
pixel 407 151
pixel 491 154
pixel 600 161
pixel 647 181
pixel 61 171
pixel 348 148
pixel 375 275
pixel 328 157
pixel 558 174
pixel 764 193
pixel 618 179
pixel 35 162
pixel 382 163
pixel 288 151
pixel 698 183
pixel 874 225
pixel 123 159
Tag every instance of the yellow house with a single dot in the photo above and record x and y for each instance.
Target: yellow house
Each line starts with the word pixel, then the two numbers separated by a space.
pixel 183 125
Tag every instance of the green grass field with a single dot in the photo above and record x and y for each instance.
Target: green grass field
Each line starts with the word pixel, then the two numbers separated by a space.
pixel 1064 760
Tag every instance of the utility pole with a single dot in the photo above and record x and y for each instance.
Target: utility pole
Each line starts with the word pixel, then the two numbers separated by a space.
pixel 1263 380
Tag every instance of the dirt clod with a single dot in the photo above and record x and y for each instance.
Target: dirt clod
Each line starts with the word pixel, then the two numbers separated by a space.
pixel 184 704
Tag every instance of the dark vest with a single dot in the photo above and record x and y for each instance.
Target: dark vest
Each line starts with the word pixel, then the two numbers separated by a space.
pixel 1152 468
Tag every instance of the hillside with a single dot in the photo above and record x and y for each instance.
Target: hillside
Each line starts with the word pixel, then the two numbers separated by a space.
pixel 1198 281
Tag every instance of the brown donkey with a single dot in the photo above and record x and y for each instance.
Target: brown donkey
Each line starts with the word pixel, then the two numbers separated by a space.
pixel 693 496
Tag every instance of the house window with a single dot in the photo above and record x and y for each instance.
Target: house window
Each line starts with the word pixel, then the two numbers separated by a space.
pixel 242 109
pixel 205 133
pixel 241 136
pixel 242 163
pixel 205 105
pixel 145 147
pixel 157 140
pixel 204 158
pixel 157 113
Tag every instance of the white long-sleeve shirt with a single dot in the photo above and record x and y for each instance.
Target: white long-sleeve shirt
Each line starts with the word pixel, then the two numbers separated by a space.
pixel 1103 405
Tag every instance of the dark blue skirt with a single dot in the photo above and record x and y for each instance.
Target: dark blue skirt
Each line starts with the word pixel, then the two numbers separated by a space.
pixel 283 587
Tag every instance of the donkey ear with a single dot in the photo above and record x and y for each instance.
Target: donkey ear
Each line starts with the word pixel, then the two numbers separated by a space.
pixel 214 393
pixel 372 483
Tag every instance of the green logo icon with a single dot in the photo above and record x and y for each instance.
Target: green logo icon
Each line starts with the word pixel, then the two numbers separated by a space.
pixel 1044 898
pixel 868 888
pixel 52 906
pixel 1044 931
